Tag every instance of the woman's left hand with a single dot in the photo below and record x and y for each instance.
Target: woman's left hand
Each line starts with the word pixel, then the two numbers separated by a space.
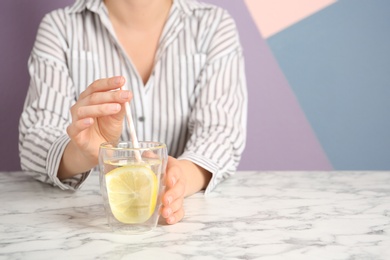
pixel 172 210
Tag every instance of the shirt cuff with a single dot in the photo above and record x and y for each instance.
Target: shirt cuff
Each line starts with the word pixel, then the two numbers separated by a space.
pixel 53 161
pixel 206 164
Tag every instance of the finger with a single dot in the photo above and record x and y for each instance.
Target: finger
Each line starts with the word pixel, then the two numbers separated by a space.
pixel 119 96
pixel 150 154
pixel 173 173
pixel 101 85
pixel 98 110
pixel 176 217
pixel 172 208
pixel 78 126
pixel 174 193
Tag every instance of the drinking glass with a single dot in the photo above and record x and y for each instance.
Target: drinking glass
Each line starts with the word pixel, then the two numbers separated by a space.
pixel 132 183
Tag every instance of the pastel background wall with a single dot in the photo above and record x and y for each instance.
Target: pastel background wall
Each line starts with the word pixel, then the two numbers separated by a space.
pixel 318 80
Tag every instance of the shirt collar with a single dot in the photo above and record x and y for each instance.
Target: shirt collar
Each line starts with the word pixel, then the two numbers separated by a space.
pixel 186 6
pixel 81 5
pixel 189 6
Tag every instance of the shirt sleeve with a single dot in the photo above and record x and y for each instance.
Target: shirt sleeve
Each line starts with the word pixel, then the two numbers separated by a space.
pixel 217 124
pixel 46 112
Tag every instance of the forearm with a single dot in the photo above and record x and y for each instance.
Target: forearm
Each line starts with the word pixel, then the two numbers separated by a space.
pixel 196 177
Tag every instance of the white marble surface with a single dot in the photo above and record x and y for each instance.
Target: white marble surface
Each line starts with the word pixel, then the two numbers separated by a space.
pixel 254 215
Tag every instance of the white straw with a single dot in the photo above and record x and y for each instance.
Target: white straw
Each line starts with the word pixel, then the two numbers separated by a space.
pixel 133 135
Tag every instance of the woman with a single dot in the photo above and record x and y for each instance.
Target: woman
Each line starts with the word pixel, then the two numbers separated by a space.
pixel 183 64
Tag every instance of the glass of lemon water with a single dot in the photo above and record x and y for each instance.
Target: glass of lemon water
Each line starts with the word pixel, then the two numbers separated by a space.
pixel 132 183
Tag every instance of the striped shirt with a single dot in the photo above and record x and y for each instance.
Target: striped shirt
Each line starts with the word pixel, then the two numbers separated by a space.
pixel 195 100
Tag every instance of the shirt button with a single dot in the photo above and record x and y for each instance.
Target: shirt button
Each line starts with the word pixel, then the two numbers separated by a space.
pixel 141 119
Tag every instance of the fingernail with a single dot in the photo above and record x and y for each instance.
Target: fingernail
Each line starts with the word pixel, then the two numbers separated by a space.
pixel 118 80
pixel 168 212
pixel 173 180
pixel 171 220
pixel 115 107
pixel 87 121
pixel 169 199
pixel 125 94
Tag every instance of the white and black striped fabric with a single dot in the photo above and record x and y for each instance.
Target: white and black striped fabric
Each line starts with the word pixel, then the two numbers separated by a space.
pixel 195 100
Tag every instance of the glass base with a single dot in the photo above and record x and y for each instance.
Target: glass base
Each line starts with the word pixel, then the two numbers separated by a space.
pixel 131 229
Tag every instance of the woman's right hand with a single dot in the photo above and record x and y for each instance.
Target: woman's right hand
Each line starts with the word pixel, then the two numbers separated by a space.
pixel 97 117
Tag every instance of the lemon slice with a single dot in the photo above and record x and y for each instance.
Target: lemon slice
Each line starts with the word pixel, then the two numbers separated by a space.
pixel 132 193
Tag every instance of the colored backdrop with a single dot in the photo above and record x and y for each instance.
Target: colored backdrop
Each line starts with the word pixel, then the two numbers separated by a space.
pixel 318 80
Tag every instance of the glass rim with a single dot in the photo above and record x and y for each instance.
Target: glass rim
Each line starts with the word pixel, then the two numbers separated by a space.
pixel 114 146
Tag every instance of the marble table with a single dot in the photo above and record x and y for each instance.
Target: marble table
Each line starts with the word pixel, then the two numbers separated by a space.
pixel 253 215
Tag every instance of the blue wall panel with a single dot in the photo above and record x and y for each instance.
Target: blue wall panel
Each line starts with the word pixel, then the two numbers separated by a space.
pixel 338 65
